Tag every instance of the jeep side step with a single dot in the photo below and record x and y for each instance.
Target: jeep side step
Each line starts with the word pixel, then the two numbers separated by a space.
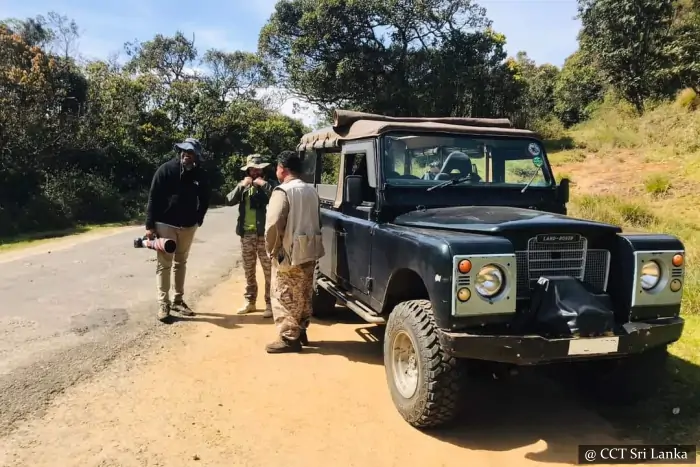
pixel 356 307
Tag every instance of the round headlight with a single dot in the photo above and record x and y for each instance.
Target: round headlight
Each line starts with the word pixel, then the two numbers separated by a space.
pixel 651 275
pixel 490 281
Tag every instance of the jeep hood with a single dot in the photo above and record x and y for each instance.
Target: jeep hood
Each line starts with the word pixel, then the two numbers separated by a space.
pixel 497 220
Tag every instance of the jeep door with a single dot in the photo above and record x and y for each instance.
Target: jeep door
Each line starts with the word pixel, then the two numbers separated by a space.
pixel 314 161
pixel 356 224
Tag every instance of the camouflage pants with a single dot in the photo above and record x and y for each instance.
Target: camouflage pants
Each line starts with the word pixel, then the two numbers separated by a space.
pixel 252 249
pixel 291 304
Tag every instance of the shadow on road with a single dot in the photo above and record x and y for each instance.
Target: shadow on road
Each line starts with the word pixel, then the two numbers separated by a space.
pixel 226 321
pixel 671 416
pixel 339 315
pixel 541 405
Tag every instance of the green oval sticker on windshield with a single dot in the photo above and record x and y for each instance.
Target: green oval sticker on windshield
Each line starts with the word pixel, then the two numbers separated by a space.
pixel 537 161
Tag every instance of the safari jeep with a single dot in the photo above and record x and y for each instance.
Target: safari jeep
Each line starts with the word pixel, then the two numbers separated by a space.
pixel 455 235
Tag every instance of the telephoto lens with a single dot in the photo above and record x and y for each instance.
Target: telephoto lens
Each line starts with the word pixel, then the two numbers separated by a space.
pixel 165 245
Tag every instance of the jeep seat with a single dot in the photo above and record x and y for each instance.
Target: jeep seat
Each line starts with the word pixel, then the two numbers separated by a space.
pixel 456 161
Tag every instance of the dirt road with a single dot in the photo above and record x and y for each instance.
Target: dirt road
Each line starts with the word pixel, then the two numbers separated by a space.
pixel 210 396
pixel 68 307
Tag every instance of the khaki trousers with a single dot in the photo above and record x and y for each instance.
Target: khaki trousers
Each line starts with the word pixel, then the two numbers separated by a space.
pixel 177 262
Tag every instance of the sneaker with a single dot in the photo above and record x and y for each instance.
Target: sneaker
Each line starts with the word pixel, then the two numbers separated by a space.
pixel 249 307
pixel 181 307
pixel 283 345
pixel 163 311
pixel 268 311
pixel 303 338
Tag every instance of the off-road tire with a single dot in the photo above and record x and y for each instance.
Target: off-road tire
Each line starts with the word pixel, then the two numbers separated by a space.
pixel 436 400
pixel 624 381
pixel 322 302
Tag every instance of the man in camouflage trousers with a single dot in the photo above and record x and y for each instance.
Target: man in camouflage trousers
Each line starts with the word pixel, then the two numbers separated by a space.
pixel 293 240
pixel 252 195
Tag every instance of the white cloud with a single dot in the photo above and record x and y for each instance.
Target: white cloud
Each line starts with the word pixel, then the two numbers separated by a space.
pixel 291 106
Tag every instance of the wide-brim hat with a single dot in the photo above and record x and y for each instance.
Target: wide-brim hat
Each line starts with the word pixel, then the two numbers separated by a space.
pixel 190 144
pixel 255 161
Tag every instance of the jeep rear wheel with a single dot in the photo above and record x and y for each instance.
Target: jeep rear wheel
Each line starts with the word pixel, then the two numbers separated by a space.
pixel 423 379
pixel 322 302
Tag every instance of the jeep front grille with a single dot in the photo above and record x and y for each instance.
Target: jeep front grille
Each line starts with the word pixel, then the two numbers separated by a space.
pixel 561 259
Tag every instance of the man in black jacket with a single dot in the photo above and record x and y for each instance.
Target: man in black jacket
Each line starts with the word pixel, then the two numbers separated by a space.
pixel 177 204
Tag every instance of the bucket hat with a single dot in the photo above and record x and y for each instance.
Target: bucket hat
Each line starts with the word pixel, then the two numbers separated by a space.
pixel 254 161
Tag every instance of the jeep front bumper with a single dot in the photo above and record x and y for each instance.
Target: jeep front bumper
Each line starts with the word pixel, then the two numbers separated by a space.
pixel 532 349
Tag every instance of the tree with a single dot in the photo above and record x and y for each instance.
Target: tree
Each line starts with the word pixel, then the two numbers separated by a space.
pixel 628 37
pixel 579 85
pixel 235 74
pixel 388 56
pixel 81 143
pixel 171 58
pixel 681 53
pixel 536 96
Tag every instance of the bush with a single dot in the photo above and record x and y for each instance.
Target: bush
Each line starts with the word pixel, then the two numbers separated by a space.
pixel 84 197
pixel 688 99
pixel 657 184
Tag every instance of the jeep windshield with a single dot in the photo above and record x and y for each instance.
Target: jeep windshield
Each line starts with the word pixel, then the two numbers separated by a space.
pixel 458 160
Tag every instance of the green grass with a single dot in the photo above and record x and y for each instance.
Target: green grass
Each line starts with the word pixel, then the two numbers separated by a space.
pixel 673 416
pixel 37 238
pixel 670 128
pixel 658 184
pixel 664 147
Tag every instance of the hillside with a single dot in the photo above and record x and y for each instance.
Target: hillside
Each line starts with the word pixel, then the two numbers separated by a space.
pixel 643 173
pixel 639 172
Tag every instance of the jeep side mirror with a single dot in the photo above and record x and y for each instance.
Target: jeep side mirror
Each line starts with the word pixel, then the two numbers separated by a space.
pixel 353 190
pixel 563 190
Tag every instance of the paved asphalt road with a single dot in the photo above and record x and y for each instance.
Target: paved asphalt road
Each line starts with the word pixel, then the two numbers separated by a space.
pixel 66 311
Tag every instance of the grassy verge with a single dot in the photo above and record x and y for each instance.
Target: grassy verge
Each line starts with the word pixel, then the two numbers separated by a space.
pixel 37 238
pixel 673 416
pixel 643 173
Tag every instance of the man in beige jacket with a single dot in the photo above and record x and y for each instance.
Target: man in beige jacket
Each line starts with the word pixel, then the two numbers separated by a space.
pixel 293 241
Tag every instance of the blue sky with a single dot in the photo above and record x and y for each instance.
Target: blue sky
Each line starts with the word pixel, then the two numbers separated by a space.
pixel 546 29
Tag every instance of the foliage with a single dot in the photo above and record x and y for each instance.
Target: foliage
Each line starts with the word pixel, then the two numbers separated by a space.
pixel 88 138
pixel 394 57
pixel 100 129
pixel 628 38
pixel 579 87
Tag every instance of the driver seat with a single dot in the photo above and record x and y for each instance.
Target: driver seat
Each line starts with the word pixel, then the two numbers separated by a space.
pixel 459 161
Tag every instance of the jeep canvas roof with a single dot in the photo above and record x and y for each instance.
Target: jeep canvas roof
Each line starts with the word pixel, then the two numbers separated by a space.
pixel 349 125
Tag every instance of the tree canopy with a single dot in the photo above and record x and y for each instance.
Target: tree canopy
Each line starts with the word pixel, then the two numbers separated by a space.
pixel 79 141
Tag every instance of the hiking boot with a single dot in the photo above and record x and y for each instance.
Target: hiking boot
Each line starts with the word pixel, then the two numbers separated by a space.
pixel 163 312
pixel 283 345
pixel 268 311
pixel 181 307
pixel 249 307
pixel 303 338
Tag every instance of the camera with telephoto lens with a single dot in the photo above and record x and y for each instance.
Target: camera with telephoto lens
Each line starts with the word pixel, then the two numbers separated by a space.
pixel 164 245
